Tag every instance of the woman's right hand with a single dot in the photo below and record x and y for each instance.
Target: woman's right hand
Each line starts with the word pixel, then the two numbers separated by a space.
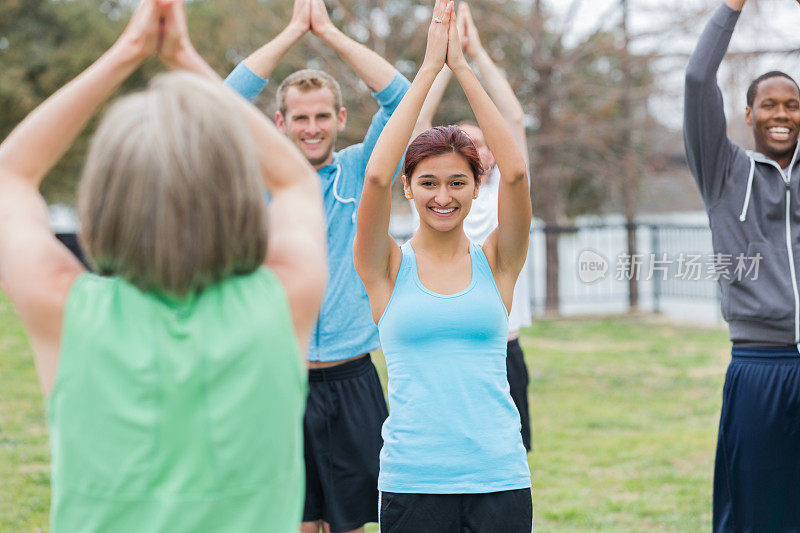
pixel 436 52
pixel 140 38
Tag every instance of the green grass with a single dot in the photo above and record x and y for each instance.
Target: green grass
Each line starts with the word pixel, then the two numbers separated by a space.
pixel 624 416
pixel 24 453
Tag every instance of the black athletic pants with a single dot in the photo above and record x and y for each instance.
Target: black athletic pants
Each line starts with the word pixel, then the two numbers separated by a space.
pixel 518 381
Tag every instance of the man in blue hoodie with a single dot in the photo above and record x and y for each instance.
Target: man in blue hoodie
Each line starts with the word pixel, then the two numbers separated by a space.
pixel 346 407
pixel 753 205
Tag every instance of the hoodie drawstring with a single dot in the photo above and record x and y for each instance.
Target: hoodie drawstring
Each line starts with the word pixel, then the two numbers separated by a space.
pixel 743 216
pixel 339 198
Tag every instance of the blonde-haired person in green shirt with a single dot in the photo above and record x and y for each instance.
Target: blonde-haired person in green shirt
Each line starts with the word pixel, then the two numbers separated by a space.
pixel 174 378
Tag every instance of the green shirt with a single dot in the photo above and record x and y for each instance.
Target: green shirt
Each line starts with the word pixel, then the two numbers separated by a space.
pixel 177 415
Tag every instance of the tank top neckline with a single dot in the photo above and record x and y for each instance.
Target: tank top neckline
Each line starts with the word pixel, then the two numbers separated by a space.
pixel 415 274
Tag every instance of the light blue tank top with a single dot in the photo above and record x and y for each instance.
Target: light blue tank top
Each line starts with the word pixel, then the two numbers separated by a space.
pixel 452 427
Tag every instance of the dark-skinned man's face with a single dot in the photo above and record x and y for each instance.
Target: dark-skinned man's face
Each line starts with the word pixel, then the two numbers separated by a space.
pixel 775 118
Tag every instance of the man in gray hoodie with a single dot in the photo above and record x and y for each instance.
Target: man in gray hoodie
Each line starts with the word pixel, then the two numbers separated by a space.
pixel 753 205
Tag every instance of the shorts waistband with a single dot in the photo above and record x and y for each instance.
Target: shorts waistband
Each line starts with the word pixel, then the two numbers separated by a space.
pixel 765 353
pixel 347 370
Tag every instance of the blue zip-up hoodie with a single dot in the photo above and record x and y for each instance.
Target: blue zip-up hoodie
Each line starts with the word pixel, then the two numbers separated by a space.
pixel 344 327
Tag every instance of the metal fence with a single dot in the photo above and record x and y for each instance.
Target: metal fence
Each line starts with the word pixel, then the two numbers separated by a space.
pixel 672 267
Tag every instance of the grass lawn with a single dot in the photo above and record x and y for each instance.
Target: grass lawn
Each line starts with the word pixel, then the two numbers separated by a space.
pixel 624 416
pixel 24 453
pixel 625 420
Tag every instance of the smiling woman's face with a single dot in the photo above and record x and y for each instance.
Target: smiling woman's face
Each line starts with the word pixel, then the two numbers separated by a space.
pixel 442 187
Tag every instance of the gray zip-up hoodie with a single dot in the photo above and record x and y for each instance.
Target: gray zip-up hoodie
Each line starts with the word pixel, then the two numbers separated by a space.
pixel 752 203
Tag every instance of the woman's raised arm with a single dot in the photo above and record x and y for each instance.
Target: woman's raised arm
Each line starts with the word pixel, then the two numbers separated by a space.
pixel 36 271
pixel 507 246
pixel 374 251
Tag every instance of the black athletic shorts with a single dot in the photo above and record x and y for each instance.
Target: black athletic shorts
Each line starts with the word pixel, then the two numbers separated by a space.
pixel 70 240
pixel 509 511
pixel 344 414
pixel 757 468
pixel 518 381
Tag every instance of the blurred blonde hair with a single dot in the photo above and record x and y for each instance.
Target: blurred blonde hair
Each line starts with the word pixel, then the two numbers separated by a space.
pixel 171 196
pixel 307 80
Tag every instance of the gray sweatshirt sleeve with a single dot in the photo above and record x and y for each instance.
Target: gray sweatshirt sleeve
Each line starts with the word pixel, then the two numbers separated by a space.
pixel 708 148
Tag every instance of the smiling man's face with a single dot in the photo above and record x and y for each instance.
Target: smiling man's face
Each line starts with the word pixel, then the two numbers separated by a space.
pixel 312 122
pixel 775 119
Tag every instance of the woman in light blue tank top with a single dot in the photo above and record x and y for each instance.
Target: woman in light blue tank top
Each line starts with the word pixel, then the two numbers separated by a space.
pixel 174 375
pixel 452 457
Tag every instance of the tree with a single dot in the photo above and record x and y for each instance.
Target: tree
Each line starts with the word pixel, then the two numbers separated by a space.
pixel 39 53
pixel 585 99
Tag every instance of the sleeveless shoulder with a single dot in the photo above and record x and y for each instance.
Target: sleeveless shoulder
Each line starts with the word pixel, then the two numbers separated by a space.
pixel 407 250
pixel 482 264
pixel 408 263
pixel 84 286
pixel 403 278
pixel 479 257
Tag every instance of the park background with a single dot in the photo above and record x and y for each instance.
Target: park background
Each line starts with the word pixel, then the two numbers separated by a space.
pixel 624 407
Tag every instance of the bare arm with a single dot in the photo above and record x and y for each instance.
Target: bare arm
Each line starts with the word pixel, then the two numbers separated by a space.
pixel 264 60
pixel 37 272
pixel 507 246
pixel 376 255
pixel 431 104
pixel 736 4
pixel 496 84
pixel 373 70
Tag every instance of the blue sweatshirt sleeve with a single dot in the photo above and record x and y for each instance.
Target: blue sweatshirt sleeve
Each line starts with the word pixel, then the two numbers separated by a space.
pixel 708 148
pixel 245 82
pixel 389 98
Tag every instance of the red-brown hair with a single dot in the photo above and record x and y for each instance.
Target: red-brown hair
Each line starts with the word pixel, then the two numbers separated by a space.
pixel 442 140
